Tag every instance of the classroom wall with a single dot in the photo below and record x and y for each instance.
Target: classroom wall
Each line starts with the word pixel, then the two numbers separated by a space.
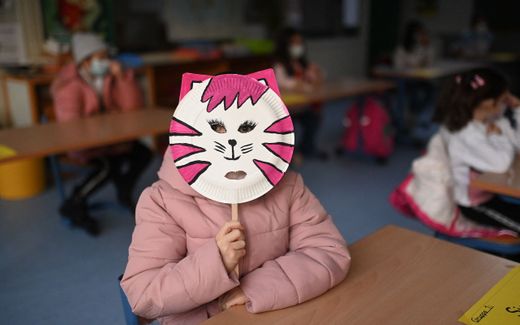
pixel 449 20
pixel 341 56
pixel 191 20
pixel 337 55
pixel 451 16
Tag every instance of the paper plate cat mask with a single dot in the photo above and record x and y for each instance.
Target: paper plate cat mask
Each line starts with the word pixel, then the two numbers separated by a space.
pixel 231 136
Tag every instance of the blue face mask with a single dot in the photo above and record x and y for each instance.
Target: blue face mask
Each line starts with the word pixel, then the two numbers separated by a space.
pixel 99 67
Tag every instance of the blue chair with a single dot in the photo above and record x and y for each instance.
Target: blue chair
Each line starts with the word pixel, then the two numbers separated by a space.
pixel 130 317
pixel 505 247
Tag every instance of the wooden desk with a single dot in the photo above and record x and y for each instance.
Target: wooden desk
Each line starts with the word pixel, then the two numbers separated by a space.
pixel 54 138
pixel 437 71
pixel 397 277
pixel 335 89
pixel 507 183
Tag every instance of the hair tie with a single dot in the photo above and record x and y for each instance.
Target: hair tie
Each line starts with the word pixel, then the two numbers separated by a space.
pixel 479 80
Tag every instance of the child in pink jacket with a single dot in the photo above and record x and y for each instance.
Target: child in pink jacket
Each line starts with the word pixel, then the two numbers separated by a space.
pixel 184 250
pixel 94 85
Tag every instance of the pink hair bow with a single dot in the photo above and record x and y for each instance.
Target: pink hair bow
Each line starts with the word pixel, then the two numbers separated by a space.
pixel 477 82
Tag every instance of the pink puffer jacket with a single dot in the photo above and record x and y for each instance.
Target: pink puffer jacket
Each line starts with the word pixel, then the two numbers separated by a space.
pixel 175 272
pixel 74 98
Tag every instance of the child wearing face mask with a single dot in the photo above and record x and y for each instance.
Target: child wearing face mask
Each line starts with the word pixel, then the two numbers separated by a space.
pixel 294 72
pixel 476 42
pixel 479 138
pixel 293 69
pixel 416 50
pixel 91 85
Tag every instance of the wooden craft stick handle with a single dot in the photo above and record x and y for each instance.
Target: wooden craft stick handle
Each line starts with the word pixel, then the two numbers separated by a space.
pixel 234 212
pixel 234 217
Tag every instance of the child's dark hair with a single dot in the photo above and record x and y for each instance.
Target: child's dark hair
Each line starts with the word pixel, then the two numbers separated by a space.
pixel 282 50
pixel 410 31
pixel 464 92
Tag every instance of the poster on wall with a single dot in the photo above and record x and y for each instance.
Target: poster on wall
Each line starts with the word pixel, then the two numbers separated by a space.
pixel 61 18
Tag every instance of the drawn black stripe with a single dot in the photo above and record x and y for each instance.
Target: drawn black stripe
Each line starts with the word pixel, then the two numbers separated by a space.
pixel 265 162
pixel 259 97
pixel 201 171
pixel 220 144
pixel 194 82
pixel 274 153
pixel 186 125
pixel 287 132
pixel 265 80
pixel 188 145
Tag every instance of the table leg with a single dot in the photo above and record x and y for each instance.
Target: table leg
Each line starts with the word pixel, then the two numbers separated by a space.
pixel 399 112
pixel 55 167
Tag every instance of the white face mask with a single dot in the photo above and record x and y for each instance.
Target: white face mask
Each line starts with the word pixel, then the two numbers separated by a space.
pixel 99 67
pixel 296 51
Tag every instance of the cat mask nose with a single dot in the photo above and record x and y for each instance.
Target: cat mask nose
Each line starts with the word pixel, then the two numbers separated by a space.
pixel 232 142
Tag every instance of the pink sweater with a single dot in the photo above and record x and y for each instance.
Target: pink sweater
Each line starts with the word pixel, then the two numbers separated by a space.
pixel 74 98
pixel 175 272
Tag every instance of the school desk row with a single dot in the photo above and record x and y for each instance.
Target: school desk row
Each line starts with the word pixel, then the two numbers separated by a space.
pixel 28 98
pixel 56 138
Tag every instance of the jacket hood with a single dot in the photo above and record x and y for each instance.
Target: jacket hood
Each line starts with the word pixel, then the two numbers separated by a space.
pixel 169 173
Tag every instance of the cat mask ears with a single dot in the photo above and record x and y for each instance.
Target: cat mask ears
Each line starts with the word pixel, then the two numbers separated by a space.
pixel 266 77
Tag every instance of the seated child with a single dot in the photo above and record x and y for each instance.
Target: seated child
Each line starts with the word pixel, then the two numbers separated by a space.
pixel 294 72
pixel 479 139
pixel 95 84
pixel 185 248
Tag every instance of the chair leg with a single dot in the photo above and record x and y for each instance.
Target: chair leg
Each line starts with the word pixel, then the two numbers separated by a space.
pixel 130 317
pixel 56 175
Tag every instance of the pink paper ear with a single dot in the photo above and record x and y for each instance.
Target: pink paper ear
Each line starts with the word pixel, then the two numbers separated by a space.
pixel 266 76
pixel 188 79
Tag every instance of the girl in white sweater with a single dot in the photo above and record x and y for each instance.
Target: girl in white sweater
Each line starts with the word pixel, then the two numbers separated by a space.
pixel 480 138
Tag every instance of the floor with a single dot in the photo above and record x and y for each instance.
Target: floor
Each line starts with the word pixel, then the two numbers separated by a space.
pixel 51 274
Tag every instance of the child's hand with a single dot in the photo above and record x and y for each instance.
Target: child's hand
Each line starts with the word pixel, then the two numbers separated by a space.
pixel 232 298
pixel 116 69
pixel 231 243
pixel 512 101
pixel 492 128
